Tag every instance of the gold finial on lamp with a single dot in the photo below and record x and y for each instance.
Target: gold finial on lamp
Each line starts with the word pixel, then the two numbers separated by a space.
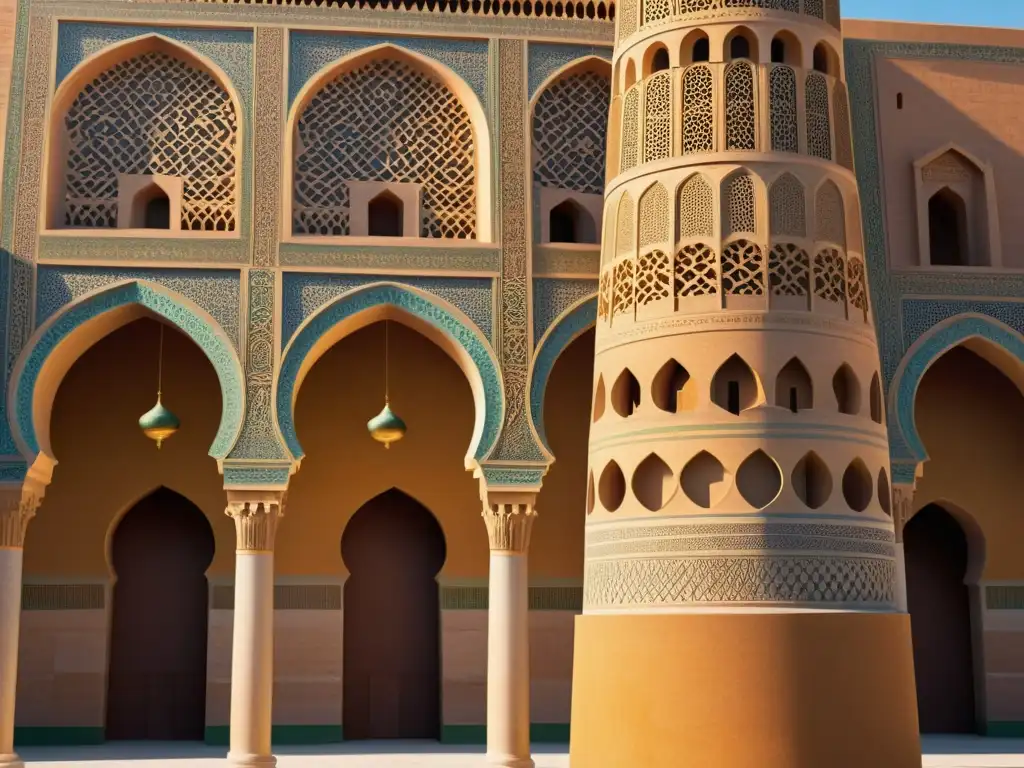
pixel 386 427
pixel 158 423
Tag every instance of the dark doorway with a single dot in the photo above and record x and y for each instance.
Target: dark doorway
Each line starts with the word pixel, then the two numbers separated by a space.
pixel 393 548
pixel 157 682
pixel 947 229
pixel 936 555
pixel 385 215
pixel 158 211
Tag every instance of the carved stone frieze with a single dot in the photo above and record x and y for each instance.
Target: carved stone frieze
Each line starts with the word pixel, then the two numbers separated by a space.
pixel 256 515
pixel 902 507
pixel 269 87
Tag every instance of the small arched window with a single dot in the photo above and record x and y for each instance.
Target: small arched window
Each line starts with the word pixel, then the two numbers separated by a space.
pixel 778 51
pixel 821 58
pixel 158 211
pixel 659 61
pixel 947 229
pixel 739 47
pixel 569 223
pixel 701 50
pixel 384 216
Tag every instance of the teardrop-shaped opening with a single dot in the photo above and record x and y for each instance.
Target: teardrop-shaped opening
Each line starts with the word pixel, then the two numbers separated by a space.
pixel 590 492
pixel 876 399
pixel 735 387
pixel 705 481
pixel 759 479
pixel 847 390
pixel 653 483
pixel 793 388
pixel 884 492
pixel 625 394
pixel 812 481
pixel 857 486
pixel 673 389
pixel 599 398
pixel 611 488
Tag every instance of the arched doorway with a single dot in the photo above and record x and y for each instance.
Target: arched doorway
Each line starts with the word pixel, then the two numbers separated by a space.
pixel 936 553
pixel 393 548
pixel 157 680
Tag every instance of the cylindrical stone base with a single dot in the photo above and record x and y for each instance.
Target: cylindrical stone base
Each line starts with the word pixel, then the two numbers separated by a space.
pixel 744 690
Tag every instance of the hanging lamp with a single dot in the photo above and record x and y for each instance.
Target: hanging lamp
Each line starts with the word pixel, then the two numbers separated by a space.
pixel 386 427
pixel 158 423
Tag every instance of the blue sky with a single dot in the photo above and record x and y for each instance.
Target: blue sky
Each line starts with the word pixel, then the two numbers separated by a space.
pixel 980 13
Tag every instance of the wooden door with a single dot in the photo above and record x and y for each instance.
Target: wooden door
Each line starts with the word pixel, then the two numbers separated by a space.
pixel 157 680
pixel 936 555
pixel 393 548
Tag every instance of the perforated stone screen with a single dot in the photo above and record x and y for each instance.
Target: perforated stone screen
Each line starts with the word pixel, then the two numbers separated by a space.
pixel 570 128
pixel 385 121
pixel 152 114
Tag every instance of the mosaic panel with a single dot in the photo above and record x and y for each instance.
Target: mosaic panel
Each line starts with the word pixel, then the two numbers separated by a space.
pixel 304 294
pixel 216 291
pixel 483 258
pixel 309 52
pixel 545 59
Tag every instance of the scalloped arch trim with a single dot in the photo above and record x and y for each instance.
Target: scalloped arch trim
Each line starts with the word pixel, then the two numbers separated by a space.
pixel 930 347
pixel 431 311
pixel 575 321
pixel 177 310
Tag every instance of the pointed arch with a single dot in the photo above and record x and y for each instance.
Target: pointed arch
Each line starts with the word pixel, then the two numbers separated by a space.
pixel 829 214
pixel 995 342
pixel 436 319
pixel 576 320
pixel 654 221
pixel 429 68
pixel 787 206
pixel 739 203
pixel 625 227
pixel 77 80
pixel 64 337
pixel 696 208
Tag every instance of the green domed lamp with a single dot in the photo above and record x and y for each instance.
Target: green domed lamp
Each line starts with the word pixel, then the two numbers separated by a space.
pixel 158 423
pixel 386 427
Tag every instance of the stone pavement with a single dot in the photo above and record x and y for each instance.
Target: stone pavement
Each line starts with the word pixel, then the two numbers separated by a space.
pixel 940 752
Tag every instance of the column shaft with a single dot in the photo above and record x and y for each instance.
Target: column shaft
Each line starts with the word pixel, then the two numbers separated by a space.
pixel 10 615
pixel 508 662
pixel 252 659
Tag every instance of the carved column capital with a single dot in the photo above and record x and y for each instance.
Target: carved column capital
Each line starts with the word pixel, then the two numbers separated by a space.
pixel 902 507
pixel 509 519
pixel 256 515
pixel 18 505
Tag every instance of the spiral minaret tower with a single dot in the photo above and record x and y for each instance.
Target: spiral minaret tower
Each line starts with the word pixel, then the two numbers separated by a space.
pixel 744 603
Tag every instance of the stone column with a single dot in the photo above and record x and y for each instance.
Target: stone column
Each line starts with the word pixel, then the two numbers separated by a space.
pixel 509 518
pixel 17 506
pixel 902 509
pixel 256 515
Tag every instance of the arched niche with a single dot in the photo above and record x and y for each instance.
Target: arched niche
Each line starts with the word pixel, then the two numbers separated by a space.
pixel 570 325
pixel 428 68
pixel 957 216
pixel 440 322
pixel 569 109
pixel 786 49
pixel 57 144
pixel 64 337
pixel 741 43
pixel 993 341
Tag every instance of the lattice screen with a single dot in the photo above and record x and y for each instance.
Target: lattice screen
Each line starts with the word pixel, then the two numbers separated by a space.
pixel 653 277
pixel 152 114
pixel 385 121
pixel 624 237
pixel 829 217
pixel 622 295
pixel 830 275
pixel 788 207
pixel 789 270
pixel 696 208
pixel 570 129
pixel 630 151
pixel 742 269
pixel 740 214
pixel 819 131
pixel 841 116
pixel 857 283
pixel 740 114
pixel 698 110
pixel 696 271
pixel 658 117
pixel 782 97
pixel 653 216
